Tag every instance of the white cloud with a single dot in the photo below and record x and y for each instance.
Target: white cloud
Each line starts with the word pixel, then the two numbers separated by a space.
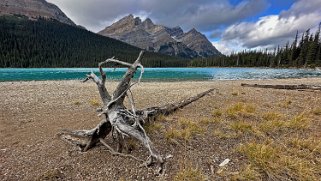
pixel 204 15
pixel 273 30
pixel 222 47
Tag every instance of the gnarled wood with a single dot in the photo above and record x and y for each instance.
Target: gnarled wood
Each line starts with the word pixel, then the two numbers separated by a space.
pixel 288 87
pixel 152 112
pixel 126 122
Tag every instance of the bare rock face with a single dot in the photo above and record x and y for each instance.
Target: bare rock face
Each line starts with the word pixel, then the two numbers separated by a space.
pixel 199 43
pixel 157 38
pixel 33 9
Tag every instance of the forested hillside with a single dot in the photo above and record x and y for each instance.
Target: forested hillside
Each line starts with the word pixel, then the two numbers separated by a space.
pixel 48 43
pixel 302 52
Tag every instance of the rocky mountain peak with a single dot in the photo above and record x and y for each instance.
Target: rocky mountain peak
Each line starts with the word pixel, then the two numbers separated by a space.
pixel 33 9
pixel 148 22
pixel 193 31
pixel 138 21
pixel 158 38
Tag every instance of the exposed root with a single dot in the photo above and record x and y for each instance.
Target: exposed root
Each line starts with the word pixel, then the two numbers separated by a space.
pixel 117 118
pixel 113 152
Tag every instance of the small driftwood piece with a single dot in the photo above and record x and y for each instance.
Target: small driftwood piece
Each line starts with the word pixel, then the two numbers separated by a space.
pixel 118 119
pixel 288 87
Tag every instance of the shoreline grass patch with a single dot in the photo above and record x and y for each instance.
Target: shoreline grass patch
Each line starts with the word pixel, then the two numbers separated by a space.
pixel 189 173
pixel 184 129
pixel 275 162
pixel 240 108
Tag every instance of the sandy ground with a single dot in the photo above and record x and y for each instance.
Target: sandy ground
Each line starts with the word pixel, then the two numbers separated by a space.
pixel 32 113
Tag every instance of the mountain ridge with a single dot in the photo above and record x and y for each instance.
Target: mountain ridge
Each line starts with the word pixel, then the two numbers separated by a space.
pixel 33 9
pixel 158 38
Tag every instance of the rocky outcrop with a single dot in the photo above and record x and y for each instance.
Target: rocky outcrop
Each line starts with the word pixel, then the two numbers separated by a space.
pixel 199 43
pixel 157 38
pixel 33 9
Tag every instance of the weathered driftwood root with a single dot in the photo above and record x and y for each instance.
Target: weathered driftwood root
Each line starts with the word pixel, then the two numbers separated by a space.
pixel 125 122
pixel 288 87
pixel 152 112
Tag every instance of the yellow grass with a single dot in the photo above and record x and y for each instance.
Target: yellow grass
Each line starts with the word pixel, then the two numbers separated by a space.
pixel 217 113
pixel 189 173
pixel 94 102
pixel 184 129
pixel 317 111
pixel 240 108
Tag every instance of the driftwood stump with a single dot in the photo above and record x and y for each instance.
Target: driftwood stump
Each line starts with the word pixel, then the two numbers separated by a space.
pixel 285 86
pixel 123 121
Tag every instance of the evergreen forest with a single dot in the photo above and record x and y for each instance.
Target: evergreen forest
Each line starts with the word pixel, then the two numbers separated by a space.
pixel 304 52
pixel 28 43
pixel 49 43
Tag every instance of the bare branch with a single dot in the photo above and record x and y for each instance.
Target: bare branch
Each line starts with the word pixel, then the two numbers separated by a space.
pixel 125 83
pixel 115 61
pixel 113 152
pixel 119 119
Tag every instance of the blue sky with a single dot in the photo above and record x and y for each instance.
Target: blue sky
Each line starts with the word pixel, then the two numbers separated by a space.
pixel 231 25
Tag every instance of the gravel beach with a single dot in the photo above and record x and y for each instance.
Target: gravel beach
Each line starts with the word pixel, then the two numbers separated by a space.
pixel 32 113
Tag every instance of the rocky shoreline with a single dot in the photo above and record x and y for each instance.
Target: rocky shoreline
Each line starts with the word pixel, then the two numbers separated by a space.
pixel 32 113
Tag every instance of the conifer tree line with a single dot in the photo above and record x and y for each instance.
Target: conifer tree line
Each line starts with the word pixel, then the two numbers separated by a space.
pixel 48 43
pixel 304 51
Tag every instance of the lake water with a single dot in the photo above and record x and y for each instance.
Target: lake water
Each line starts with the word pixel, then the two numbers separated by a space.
pixel 157 74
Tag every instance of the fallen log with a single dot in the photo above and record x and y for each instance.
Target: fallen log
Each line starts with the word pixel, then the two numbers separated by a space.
pixel 288 87
pixel 121 120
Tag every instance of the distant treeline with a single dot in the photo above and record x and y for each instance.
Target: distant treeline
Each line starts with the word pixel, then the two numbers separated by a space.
pixel 300 53
pixel 48 43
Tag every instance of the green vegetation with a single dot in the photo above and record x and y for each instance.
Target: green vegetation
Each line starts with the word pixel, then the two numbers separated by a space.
pixel 303 53
pixel 48 43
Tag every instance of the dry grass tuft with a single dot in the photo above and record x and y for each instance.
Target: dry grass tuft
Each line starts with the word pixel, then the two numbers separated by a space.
pixel 94 102
pixel 317 111
pixel 217 113
pixel 285 104
pixel 225 135
pixel 189 173
pixel 271 122
pixel 240 108
pixel 77 103
pixel 207 121
pixel 242 126
pixel 248 173
pixel 161 118
pixel 53 174
pixel 184 129
pixel 299 122
pixel 154 127
pixel 235 93
pixel 275 162
pixel 131 144
pixel 272 116
pixel 311 144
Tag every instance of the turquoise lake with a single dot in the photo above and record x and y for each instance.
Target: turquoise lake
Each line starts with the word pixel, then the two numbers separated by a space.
pixel 157 74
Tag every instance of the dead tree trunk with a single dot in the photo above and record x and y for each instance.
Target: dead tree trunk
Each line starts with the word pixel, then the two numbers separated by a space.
pixel 125 122
pixel 289 87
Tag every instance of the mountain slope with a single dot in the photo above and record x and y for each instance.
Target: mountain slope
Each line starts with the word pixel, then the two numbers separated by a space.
pixel 33 9
pixel 157 38
pixel 49 43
